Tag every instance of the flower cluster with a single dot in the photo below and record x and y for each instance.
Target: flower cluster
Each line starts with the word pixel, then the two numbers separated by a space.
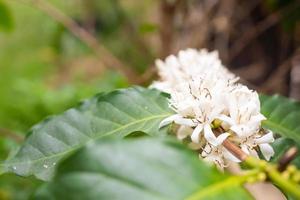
pixel 211 106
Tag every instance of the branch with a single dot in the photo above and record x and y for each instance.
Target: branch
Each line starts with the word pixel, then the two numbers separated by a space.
pixel 275 176
pixel 287 158
pixel 271 170
pixel 295 76
pixel 235 150
pixel 106 56
pixel 276 79
pixel 11 135
pixel 254 32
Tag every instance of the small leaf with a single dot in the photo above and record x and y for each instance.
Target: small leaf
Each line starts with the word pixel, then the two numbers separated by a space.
pixel 148 169
pixel 283 116
pixel 6 19
pixel 117 114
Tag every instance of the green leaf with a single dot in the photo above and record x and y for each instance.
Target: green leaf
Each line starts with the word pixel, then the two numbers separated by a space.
pixel 116 114
pixel 6 20
pixel 283 116
pixel 146 168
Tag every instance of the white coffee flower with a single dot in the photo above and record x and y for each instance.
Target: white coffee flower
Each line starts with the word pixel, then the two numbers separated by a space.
pixel 248 144
pixel 197 103
pixel 186 65
pixel 243 115
pixel 218 155
pixel 211 107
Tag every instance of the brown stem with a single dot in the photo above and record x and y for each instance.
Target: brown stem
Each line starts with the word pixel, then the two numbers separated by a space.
pixel 235 150
pixel 287 158
pixel 9 134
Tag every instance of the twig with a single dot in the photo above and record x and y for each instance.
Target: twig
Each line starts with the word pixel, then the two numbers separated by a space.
pixel 245 13
pixel 254 32
pixel 235 150
pixel 295 76
pixel 106 56
pixel 274 175
pixel 270 170
pixel 287 158
pixel 277 77
pixel 9 134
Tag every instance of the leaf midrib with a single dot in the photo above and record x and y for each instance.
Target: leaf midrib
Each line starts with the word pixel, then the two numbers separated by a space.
pixel 95 138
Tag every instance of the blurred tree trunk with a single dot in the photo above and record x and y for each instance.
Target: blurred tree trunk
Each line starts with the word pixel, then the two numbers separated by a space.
pixel 295 77
pixel 167 13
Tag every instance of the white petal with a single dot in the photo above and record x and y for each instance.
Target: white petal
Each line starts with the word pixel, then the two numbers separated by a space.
pixel 183 132
pixel 230 156
pixel 237 129
pixel 266 150
pixel 255 121
pixel 183 121
pixel 168 120
pixel 241 130
pixel 226 119
pixel 258 118
pixel 253 153
pixel 209 135
pixel 268 138
pixel 222 137
pixel 206 151
pixel 162 86
pixel 196 133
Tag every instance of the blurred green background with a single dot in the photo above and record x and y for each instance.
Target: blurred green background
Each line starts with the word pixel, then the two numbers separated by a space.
pixel 45 68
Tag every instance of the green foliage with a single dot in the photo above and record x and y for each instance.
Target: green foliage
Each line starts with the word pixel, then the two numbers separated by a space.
pixel 118 114
pixel 283 116
pixel 6 19
pixel 13 187
pixel 147 169
pixel 28 102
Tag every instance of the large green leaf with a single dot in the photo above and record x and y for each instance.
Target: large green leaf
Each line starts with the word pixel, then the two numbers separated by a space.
pixel 6 21
pixel 135 169
pixel 117 114
pixel 283 116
